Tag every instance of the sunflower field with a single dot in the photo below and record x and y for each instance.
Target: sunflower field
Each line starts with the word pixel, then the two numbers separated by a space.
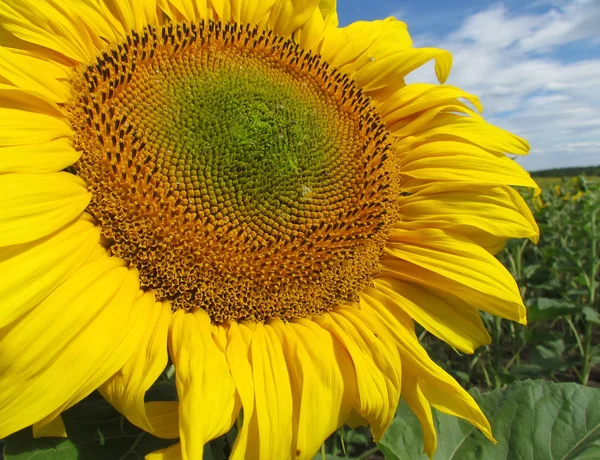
pixel 538 384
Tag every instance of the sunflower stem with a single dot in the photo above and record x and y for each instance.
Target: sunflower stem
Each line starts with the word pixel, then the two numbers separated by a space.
pixel 591 285
pixel 486 375
pixel 497 333
pixel 576 335
pixel 365 455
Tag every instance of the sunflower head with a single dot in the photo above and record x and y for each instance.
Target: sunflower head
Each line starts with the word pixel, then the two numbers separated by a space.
pixel 234 170
pixel 256 192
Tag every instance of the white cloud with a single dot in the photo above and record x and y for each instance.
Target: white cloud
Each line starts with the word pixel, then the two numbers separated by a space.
pixel 494 29
pixel 577 20
pixel 513 63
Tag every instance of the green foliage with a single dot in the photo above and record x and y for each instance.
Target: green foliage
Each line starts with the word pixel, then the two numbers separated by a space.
pixel 531 420
pixel 568 172
pixel 96 432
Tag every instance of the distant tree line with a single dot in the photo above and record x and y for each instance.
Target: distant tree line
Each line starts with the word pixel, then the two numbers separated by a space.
pixel 562 172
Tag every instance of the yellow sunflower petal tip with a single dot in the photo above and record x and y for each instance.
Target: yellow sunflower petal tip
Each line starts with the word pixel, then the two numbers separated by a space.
pixel 54 428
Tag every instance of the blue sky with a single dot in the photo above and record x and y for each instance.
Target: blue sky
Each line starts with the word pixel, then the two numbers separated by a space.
pixel 535 64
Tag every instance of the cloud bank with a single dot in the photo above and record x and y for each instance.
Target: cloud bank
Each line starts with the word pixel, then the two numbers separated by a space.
pixel 537 72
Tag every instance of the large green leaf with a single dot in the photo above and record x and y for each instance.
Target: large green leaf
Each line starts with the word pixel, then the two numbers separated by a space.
pixel 531 420
pixel 96 432
pixel 544 308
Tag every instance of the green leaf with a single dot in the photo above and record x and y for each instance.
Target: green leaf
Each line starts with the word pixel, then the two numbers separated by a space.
pixel 591 315
pixel 544 358
pixel 531 420
pixel 355 437
pixel 219 449
pixel 545 308
pixel 404 438
pixel 162 390
pixel 530 270
pixel 319 456
pixel 96 432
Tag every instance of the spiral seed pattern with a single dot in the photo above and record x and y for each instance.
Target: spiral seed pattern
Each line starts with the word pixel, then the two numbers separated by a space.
pixel 237 172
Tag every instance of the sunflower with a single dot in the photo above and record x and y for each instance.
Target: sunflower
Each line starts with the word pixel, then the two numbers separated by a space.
pixel 253 194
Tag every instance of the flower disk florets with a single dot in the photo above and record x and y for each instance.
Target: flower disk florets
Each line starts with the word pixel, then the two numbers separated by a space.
pixel 234 170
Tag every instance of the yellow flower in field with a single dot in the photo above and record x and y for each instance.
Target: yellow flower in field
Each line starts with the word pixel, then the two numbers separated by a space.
pixel 538 202
pixel 256 193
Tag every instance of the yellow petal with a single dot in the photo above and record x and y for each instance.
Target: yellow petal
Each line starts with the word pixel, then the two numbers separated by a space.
pixel 445 315
pixel 122 11
pixel 126 389
pixel 447 396
pixel 328 10
pixel 409 129
pixel 49 24
pixel 313 32
pixel 374 335
pixel 184 9
pixel 379 54
pixel 322 400
pixel 272 414
pixel 386 71
pixel 130 13
pixel 35 205
pixel 376 364
pixel 31 271
pixel 34 74
pixel 222 9
pixel 354 46
pixel 418 403
pixel 470 210
pixel 287 16
pixel 255 12
pixel 94 331
pixel 454 264
pixel 450 126
pixel 50 156
pixel 163 417
pixel 18 100
pixel 441 390
pixel 170 453
pixel 101 23
pixel 238 357
pixel 204 383
pixel 451 161
pixel 419 97
pixel 55 429
pixel 23 127
pixel 150 11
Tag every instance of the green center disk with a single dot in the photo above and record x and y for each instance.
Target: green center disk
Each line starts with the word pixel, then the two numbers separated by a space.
pixel 245 135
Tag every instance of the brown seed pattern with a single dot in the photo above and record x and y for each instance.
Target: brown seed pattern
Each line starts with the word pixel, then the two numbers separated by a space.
pixel 275 205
